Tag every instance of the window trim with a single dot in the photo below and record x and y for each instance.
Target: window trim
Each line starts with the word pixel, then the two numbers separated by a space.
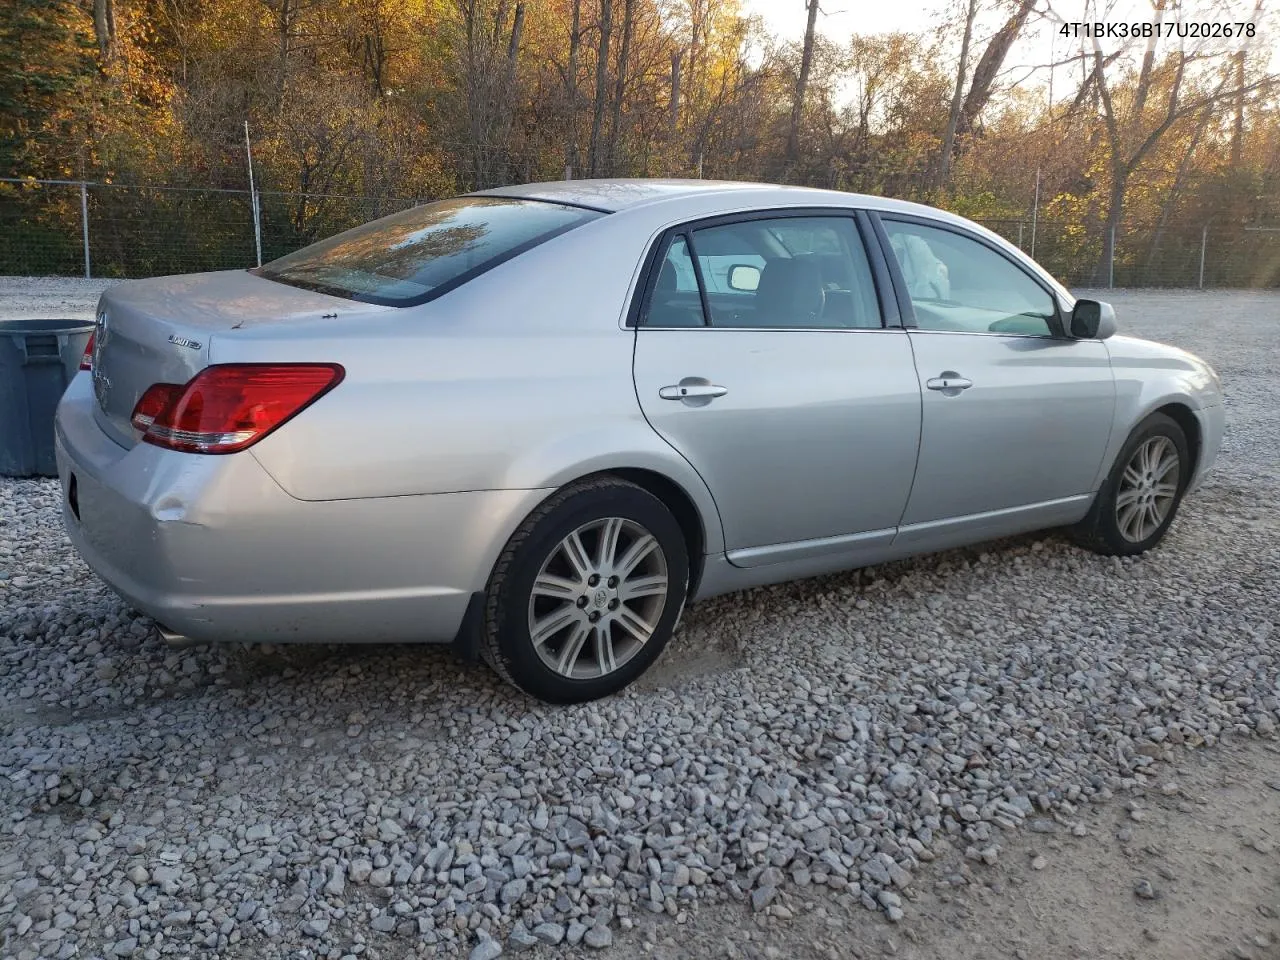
pixel 1057 328
pixel 705 300
pixel 637 310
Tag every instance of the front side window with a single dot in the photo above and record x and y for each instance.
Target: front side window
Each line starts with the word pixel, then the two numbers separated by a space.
pixel 410 256
pixel 787 272
pixel 959 285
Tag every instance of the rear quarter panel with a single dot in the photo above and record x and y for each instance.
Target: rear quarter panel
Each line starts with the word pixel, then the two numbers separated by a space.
pixel 520 379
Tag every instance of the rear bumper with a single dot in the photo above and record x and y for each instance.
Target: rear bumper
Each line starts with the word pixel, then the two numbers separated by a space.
pixel 211 546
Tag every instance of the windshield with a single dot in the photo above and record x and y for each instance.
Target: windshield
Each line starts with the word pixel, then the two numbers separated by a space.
pixel 413 256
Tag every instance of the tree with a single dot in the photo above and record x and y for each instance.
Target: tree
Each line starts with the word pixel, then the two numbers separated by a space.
pixel 953 118
pixel 602 85
pixel 802 82
pixel 1138 113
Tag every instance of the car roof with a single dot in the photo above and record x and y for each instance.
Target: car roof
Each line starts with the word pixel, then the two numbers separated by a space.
pixel 613 195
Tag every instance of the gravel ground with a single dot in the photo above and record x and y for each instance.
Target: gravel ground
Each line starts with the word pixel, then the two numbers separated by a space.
pixel 830 737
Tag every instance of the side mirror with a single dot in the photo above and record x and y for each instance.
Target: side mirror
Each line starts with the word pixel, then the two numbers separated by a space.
pixel 1092 320
pixel 743 276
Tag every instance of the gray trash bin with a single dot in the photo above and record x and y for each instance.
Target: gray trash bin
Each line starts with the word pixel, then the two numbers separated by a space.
pixel 38 358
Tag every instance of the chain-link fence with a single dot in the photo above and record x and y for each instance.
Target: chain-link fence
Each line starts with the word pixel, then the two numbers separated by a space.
pixel 65 228
pixel 68 228
pixel 1171 253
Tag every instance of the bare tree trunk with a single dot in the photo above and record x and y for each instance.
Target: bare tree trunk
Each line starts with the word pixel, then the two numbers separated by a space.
pixel 286 35
pixel 797 105
pixel 507 108
pixel 1237 128
pixel 953 120
pixel 988 67
pixel 1175 190
pixel 620 83
pixel 575 44
pixel 513 46
pixel 104 28
pixel 675 93
pixel 602 85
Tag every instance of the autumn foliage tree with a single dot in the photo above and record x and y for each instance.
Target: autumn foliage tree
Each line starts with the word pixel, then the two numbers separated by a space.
pixel 423 98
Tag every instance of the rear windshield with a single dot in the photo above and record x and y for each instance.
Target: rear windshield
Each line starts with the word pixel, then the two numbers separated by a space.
pixel 413 256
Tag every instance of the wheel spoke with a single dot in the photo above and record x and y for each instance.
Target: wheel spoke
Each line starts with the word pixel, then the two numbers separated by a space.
pixel 547 627
pixel 1126 497
pixel 549 585
pixel 608 550
pixel 604 649
pixel 1165 490
pixel 634 624
pixel 1126 518
pixel 1132 475
pixel 642 547
pixel 572 648
pixel 576 554
pixel 653 586
pixel 1169 463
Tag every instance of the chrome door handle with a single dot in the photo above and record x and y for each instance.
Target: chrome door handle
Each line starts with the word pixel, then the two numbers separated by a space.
pixel 950 382
pixel 692 388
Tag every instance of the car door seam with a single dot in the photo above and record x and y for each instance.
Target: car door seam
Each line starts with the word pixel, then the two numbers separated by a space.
pixel 635 389
pixel 919 438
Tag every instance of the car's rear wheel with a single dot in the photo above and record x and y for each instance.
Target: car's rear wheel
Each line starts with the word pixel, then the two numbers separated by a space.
pixel 587 592
pixel 1139 499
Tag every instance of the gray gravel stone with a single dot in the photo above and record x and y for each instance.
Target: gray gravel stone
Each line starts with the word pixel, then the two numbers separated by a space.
pixel 598 937
pixel 316 927
pixel 551 933
pixel 946 698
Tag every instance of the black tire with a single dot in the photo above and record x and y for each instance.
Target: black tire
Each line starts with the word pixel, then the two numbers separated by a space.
pixel 507 645
pixel 1100 531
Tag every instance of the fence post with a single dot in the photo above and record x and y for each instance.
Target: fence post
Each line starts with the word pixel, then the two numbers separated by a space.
pixel 1111 259
pixel 253 197
pixel 1204 240
pixel 568 171
pixel 84 227
pixel 1019 234
pixel 1035 211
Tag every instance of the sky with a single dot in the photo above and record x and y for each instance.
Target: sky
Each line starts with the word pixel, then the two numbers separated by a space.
pixel 843 18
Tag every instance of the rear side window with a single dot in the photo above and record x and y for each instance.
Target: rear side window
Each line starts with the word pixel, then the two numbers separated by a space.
pixel 415 255
pixel 805 273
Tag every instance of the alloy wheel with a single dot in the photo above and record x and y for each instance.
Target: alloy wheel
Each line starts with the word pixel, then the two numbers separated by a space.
pixel 598 598
pixel 1148 489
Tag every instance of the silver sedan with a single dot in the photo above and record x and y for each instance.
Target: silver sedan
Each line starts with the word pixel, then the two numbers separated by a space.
pixel 537 421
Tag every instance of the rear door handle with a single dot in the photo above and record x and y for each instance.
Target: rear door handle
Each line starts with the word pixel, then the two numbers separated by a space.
pixel 692 388
pixel 950 382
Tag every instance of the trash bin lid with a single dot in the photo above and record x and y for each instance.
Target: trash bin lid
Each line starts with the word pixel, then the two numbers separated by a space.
pixel 43 327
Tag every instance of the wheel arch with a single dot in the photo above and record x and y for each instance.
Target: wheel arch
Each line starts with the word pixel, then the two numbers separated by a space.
pixel 1182 414
pixel 674 497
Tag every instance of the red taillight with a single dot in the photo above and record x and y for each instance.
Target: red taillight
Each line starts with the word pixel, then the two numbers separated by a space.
pixel 229 407
pixel 153 403
pixel 86 359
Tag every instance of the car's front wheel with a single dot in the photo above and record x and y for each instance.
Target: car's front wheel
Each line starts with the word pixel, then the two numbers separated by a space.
pixel 1139 499
pixel 587 592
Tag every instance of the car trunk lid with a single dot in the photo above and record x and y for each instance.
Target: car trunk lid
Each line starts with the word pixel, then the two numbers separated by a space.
pixel 159 331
